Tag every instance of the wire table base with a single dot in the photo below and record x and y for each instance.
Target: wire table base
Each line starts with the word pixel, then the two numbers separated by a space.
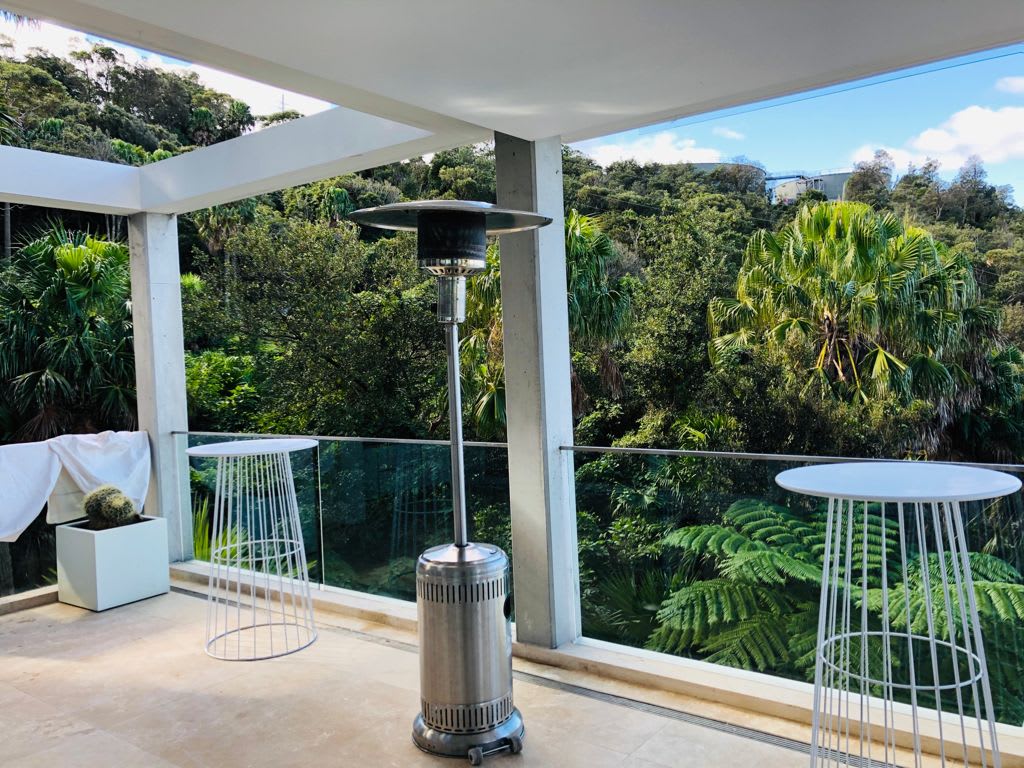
pixel 899 639
pixel 259 604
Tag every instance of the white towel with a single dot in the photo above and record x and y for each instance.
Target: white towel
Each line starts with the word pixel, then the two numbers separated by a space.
pixel 107 458
pixel 28 473
pixel 62 470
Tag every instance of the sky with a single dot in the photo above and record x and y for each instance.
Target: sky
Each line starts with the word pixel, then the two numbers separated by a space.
pixel 263 99
pixel 948 111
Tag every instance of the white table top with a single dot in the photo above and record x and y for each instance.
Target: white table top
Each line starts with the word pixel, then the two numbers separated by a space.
pixel 906 481
pixel 253 447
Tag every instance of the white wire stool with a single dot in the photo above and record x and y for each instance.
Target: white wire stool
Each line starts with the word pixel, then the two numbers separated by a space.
pixel 258 604
pixel 895 542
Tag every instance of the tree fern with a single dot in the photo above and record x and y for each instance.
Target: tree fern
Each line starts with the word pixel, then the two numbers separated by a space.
pixel 760 642
pixel 703 605
pixel 770 566
pixel 754 604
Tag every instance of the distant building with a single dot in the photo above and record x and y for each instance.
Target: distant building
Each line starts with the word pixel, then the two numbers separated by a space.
pixel 832 185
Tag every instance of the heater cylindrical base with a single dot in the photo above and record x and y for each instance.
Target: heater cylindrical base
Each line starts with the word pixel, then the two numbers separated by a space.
pixel 505 737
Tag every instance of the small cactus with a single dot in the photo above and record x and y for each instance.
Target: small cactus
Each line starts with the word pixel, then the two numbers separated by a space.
pixel 107 507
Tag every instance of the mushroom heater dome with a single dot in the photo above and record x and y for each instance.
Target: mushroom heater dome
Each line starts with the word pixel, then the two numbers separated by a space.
pixel 462 589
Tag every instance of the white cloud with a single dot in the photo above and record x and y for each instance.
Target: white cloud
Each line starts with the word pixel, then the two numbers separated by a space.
pixel 262 98
pixel 728 133
pixel 1010 84
pixel 994 135
pixel 662 147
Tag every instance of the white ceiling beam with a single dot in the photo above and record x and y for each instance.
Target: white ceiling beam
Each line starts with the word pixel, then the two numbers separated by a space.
pixel 517 71
pixel 298 152
pixel 29 177
pixel 158 39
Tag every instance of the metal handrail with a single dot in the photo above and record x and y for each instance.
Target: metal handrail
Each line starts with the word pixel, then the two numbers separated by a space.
pixel 787 457
pixel 670 452
pixel 342 439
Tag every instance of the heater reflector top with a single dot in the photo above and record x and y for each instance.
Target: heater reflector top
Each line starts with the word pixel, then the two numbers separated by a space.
pixel 406 216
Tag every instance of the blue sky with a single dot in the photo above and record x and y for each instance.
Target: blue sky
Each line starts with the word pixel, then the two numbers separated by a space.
pixel 971 105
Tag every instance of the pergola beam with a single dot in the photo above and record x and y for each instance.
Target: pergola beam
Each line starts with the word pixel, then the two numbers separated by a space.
pixel 298 152
pixel 29 177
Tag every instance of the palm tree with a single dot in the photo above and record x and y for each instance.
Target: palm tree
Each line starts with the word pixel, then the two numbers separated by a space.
pixel 600 311
pixel 600 308
pixel 10 134
pixel 216 225
pixel 67 362
pixel 886 311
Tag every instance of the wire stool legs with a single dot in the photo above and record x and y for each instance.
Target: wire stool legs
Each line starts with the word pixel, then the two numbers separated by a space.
pixel 259 604
pixel 910 562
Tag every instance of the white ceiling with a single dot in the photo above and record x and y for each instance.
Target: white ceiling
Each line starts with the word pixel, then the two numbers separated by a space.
pixel 537 68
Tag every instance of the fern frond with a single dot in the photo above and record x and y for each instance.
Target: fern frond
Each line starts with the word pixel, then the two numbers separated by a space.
pixel 760 642
pixel 695 610
pixel 769 567
pixel 713 541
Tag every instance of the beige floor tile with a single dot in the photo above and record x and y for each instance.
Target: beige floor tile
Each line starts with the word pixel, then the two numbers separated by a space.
pixel 90 750
pixel 133 686
pixel 681 745
pixel 28 725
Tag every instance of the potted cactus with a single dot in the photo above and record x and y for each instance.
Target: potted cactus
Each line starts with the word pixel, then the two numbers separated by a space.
pixel 112 557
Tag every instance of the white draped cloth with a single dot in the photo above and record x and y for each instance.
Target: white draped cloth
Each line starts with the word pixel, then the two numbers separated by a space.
pixel 62 470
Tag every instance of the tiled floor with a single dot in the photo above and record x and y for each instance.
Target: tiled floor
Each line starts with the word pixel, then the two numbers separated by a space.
pixel 132 687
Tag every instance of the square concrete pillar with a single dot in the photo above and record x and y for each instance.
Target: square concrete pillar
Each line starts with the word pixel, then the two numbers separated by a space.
pixel 538 397
pixel 160 371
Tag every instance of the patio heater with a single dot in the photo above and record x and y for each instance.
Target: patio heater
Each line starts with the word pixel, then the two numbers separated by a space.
pixel 462 589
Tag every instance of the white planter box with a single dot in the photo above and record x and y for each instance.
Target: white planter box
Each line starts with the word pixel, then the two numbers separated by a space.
pixel 103 569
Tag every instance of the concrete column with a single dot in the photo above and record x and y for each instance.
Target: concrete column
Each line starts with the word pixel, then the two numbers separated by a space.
pixel 538 397
pixel 160 370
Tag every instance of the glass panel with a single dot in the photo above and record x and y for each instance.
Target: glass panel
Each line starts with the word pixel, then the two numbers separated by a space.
pixel 31 561
pixel 203 483
pixel 384 503
pixel 665 565
pixel 370 507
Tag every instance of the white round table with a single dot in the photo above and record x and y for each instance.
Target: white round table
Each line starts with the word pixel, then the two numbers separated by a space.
pixel 898 620
pixel 259 604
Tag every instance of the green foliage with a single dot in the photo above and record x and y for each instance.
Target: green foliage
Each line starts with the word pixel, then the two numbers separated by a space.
pixel 600 313
pixel 885 310
pixel 753 601
pixel 108 507
pixel 341 332
pixel 222 392
pixel 67 364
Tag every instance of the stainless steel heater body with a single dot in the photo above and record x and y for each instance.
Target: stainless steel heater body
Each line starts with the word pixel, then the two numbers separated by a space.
pixel 462 589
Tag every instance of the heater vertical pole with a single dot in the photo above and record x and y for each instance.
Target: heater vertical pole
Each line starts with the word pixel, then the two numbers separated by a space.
pixel 455 426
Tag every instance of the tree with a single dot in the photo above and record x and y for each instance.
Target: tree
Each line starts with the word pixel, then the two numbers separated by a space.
pixel 10 135
pixel 342 333
pixel 600 312
pixel 887 311
pixel 920 193
pixel 67 364
pixel 973 201
pixel 871 181
pixel 600 307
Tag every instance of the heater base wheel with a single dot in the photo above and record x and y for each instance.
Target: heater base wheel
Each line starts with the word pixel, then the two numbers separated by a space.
pixel 505 737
